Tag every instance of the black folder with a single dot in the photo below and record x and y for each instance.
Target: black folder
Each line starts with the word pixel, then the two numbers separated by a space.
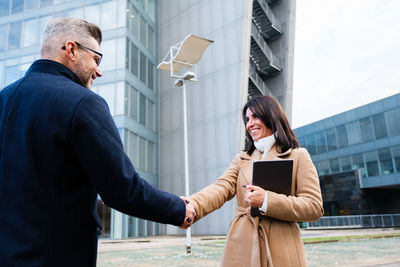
pixel 273 175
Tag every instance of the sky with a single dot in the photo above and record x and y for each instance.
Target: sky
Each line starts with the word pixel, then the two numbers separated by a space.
pixel 347 54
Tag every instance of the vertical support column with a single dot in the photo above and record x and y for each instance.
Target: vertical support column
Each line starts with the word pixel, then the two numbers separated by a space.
pixel 116 224
pixel 185 141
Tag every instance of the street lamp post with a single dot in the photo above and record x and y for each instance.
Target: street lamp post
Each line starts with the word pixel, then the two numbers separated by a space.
pixel 185 55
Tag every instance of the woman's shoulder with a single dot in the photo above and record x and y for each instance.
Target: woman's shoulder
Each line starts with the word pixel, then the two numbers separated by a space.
pixel 242 156
pixel 299 151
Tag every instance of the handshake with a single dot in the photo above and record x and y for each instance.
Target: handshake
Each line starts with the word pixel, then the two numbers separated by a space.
pixel 190 214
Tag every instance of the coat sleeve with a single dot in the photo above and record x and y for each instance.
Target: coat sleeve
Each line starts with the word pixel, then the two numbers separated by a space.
pixel 306 205
pixel 215 195
pixel 99 151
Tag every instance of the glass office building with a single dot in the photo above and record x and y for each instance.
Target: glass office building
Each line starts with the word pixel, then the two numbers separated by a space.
pixel 129 82
pixel 365 139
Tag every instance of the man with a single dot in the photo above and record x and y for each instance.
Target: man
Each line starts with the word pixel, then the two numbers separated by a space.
pixel 59 148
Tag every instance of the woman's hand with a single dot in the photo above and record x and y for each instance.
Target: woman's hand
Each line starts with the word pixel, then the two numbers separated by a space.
pixel 255 195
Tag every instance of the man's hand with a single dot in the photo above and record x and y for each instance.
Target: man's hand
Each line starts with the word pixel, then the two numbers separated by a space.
pixel 190 214
pixel 255 195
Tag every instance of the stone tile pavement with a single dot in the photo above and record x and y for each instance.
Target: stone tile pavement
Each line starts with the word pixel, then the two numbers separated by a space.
pixel 207 250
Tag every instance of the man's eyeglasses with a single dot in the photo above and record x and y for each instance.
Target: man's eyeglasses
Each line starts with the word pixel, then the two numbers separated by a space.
pixel 98 60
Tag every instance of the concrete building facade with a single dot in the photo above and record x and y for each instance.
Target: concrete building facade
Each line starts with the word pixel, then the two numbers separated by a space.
pixel 252 54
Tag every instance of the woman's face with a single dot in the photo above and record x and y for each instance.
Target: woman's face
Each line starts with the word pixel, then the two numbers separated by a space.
pixel 255 127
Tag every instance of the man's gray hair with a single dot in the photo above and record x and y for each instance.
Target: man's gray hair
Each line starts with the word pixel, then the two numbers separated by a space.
pixel 60 30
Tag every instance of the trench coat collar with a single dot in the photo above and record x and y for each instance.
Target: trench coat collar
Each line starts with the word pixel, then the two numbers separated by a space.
pixel 272 154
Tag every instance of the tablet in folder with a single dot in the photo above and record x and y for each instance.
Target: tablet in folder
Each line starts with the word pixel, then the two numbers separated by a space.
pixel 273 175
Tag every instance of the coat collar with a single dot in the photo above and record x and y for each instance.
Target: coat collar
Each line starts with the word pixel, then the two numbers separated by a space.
pixel 53 67
pixel 273 153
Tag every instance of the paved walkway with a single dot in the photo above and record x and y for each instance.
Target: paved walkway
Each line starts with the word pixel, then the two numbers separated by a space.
pixel 207 250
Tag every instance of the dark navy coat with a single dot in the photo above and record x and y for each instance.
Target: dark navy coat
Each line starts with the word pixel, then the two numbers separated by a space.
pixel 59 148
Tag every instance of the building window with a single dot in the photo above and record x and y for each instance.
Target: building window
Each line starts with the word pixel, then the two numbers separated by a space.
pixel 45 3
pixel 134 58
pixel 142 111
pixel 320 140
pixel 371 161
pixel 119 98
pixel 110 53
pixel 150 40
pixel 3 32
pixel 342 136
pixel 107 91
pixel 385 161
pixel 345 163
pixel 29 4
pixel 393 120
pixel 11 74
pixel 334 163
pixel 14 35
pixel 4 8
pixel 132 20
pixel 379 125
pixel 142 152
pixel 150 75
pixel 43 23
pixel 367 131
pixel 353 133
pixel 310 144
pixel 143 67
pixel 150 157
pixel 108 15
pixel 23 68
pixel 396 157
pixel 143 31
pixel 30 32
pixel 17 6
pixel 301 141
pixel 131 108
pixel 358 164
pixel 323 167
pixel 331 139
pixel 132 146
pixel 92 14
pixel 150 115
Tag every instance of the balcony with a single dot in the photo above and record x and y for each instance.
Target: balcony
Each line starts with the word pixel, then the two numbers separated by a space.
pixel 266 63
pixel 256 84
pixel 264 19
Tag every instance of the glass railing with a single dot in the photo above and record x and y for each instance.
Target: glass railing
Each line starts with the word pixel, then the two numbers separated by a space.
pixel 356 221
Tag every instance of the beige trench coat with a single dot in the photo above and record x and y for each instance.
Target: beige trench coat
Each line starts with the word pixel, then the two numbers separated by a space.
pixel 273 239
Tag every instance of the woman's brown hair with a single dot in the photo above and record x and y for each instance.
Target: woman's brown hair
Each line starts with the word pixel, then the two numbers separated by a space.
pixel 271 113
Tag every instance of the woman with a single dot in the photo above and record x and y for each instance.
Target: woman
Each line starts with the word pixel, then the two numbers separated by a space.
pixel 273 238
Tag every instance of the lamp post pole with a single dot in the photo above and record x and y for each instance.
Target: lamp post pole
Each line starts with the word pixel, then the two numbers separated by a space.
pixel 183 55
pixel 186 155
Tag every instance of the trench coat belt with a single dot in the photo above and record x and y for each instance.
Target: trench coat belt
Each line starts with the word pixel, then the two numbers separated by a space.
pixel 255 221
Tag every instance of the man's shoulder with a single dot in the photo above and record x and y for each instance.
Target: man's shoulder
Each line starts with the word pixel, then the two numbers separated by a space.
pixel 60 87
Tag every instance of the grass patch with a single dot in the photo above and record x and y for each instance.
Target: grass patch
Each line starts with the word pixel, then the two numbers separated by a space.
pixel 310 240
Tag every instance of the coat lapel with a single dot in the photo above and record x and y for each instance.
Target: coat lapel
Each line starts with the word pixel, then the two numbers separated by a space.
pixel 246 164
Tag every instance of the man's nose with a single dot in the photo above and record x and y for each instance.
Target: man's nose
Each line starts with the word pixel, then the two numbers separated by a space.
pixel 98 72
